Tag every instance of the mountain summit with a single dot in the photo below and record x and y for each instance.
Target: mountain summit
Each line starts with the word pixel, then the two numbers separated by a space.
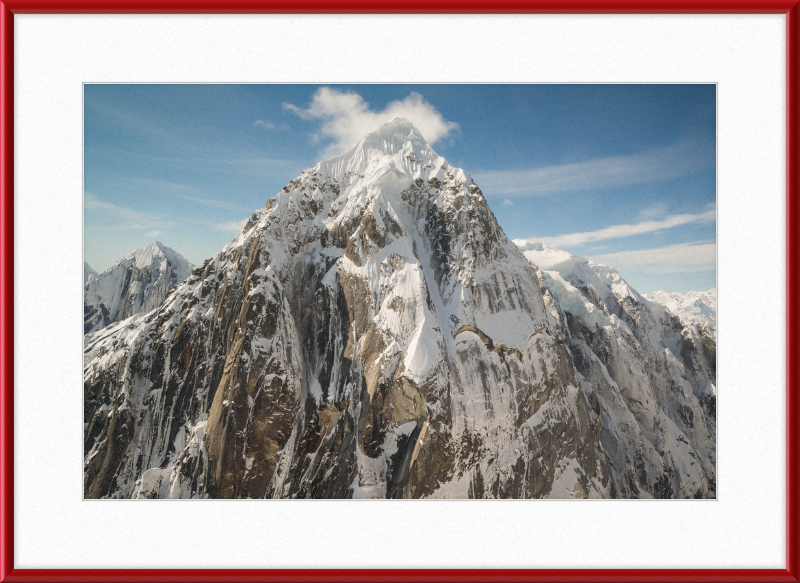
pixel 373 333
pixel 137 283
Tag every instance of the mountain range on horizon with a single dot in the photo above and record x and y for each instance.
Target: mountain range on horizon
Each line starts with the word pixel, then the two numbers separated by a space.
pixel 372 333
pixel 692 307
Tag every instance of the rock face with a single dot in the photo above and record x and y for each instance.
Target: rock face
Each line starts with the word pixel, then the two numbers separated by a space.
pixel 371 333
pixel 653 377
pixel 139 282
pixel 692 308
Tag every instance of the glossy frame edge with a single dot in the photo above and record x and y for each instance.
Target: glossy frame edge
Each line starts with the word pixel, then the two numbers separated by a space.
pixel 789 7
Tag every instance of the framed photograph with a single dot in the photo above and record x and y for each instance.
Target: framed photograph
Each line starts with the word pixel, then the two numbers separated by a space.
pixel 429 295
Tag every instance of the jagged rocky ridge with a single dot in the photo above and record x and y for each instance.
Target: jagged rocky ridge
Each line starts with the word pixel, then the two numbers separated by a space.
pixel 137 283
pixel 372 332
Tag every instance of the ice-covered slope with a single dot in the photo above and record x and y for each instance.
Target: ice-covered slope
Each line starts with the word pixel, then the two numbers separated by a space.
pixel 692 307
pixel 87 272
pixel 654 377
pixel 139 282
pixel 372 332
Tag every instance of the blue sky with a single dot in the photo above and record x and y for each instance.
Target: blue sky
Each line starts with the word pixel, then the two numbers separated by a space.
pixel 621 174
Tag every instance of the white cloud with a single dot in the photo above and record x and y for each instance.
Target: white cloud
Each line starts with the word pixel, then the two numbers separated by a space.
pixel 686 257
pixel 654 210
pixel 120 217
pixel 178 190
pixel 153 233
pixel 620 231
pixel 675 161
pixel 346 117
pixel 507 202
pixel 230 226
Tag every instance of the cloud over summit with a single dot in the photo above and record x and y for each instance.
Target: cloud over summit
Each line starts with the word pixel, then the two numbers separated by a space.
pixel 346 118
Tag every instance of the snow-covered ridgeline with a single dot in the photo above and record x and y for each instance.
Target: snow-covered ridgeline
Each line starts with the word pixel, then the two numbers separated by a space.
pixel 692 307
pixel 88 272
pixel 645 364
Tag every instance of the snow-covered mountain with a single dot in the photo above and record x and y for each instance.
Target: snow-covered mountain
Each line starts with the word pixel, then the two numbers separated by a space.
pixel 692 307
pixel 654 376
pixel 373 333
pixel 139 282
pixel 87 271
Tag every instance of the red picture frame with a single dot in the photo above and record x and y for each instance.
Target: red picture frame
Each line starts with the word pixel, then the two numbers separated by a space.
pixel 791 8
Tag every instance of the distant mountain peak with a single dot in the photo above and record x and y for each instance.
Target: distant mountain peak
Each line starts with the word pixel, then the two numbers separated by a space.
pixel 692 307
pixel 88 272
pixel 154 252
pixel 138 282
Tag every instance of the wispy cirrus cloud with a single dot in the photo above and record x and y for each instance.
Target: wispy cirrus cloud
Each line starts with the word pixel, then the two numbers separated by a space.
pixel 268 125
pixel 234 227
pixel 267 167
pixel 346 117
pixel 656 209
pixel 682 258
pixel 160 184
pixel 677 160
pixel 132 121
pixel 264 167
pixel 185 192
pixel 120 217
pixel 626 230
